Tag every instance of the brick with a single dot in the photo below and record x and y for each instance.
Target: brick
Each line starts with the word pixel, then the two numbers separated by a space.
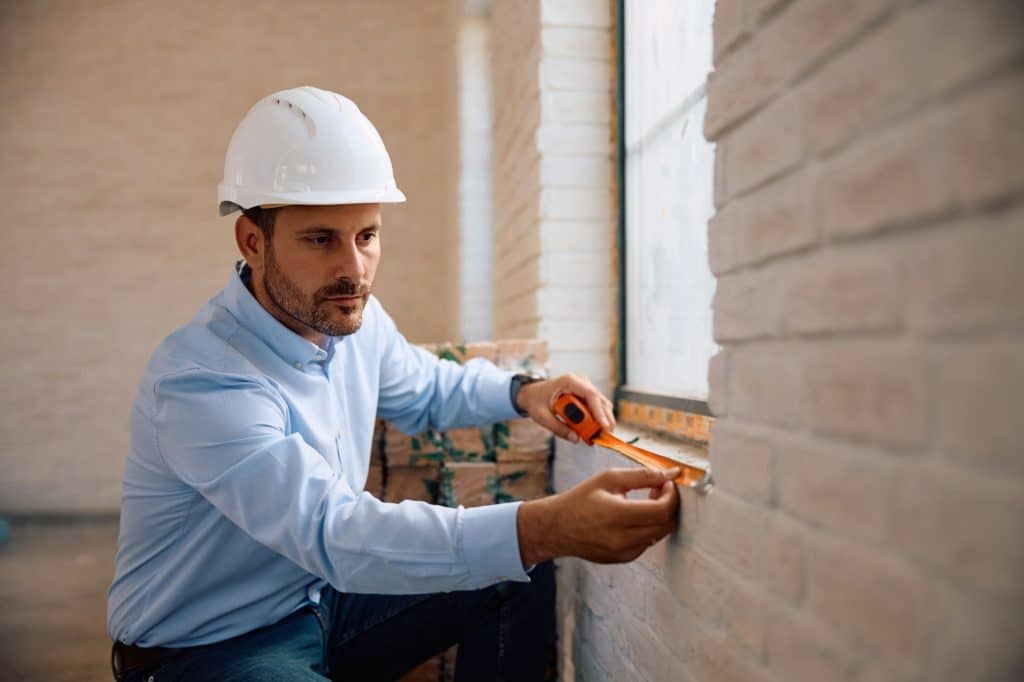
pixel 766 7
pixel 718 381
pixel 778 219
pixel 575 235
pixel 524 480
pixel 650 657
pixel 721 193
pixel 895 178
pixel 465 443
pixel 975 639
pixel 965 526
pixel 986 141
pixel 631 587
pixel 565 138
pixel 577 171
pixel 514 454
pixel 728 25
pixel 742 614
pixel 576 107
pixel 800 649
pixel 742 460
pixel 810 30
pixel 464 352
pixel 976 394
pixel 717 657
pixel 880 78
pixel 470 484
pixel 572 13
pixel 855 288
pixel 977 37
pixel 741 84
pixel 723 234
pixel 781 568
pixel 423 449
pixel 559 203
pixel 966 276
pixel 575 269
pixel 594 43
pixel 522 353
pixel 566 73
pixel 766 384
pixel 730 531
pixel 748 305
pixel 375 481
pixel 873 600
pixel 834 486
pixel 699 583
pixel 411 483
pixel 668 616
pixel 767 145
pixel 867 390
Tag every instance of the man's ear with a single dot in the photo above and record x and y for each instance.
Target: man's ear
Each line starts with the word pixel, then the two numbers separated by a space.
pixel 249 238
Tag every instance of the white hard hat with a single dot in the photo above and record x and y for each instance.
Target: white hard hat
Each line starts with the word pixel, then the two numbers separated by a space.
pixel 306 146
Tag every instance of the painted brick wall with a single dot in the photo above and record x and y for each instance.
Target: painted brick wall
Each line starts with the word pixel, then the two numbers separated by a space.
pixel 868 522
pixel 553 189
pixel 113 127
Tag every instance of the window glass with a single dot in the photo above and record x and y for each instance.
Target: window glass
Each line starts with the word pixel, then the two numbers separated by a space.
pixel 669 171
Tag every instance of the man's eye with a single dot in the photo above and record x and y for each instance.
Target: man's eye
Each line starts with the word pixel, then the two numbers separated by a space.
pixel 369 236
pixel 319 240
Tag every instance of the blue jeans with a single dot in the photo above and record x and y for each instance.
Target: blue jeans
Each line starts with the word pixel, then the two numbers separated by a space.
pixel 504 632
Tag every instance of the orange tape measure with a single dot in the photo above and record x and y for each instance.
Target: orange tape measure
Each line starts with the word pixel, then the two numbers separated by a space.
pixel 577 417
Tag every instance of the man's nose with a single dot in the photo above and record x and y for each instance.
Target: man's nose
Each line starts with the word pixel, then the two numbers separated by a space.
pixel 350 263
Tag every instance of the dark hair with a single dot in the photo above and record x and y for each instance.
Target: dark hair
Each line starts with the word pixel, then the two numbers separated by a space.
pixel 264 219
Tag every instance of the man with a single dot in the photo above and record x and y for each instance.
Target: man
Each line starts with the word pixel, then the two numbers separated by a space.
pixel 248 548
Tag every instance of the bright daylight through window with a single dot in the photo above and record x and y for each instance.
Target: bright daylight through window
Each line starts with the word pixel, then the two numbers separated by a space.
pixel 669 170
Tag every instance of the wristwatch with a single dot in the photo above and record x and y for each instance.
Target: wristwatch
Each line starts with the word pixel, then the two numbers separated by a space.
pixel 518 381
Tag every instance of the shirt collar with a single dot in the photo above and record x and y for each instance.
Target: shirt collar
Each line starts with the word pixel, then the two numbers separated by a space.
pixel 296 350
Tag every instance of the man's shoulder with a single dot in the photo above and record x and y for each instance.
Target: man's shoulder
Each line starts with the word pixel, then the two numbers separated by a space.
pixel 208 345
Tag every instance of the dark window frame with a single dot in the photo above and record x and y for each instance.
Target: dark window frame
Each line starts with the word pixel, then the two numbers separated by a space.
pixel 622 389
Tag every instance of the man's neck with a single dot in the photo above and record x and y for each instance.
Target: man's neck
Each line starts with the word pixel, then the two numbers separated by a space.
pixel 259 292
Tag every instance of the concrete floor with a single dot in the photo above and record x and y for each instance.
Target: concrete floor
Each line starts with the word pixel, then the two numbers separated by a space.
pixel 54 576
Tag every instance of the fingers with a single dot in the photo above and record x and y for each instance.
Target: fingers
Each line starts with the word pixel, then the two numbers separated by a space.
pixel 624 480
pixel 665 489
pixel 642 513
pixel 599 406
pixel 548 420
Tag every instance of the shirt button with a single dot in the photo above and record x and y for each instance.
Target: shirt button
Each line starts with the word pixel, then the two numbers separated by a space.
pixel 298 365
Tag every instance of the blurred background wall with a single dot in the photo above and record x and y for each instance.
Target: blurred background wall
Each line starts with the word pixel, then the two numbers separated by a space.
pixel 114 119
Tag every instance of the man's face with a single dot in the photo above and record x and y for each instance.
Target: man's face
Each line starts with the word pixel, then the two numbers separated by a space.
pixel 319 267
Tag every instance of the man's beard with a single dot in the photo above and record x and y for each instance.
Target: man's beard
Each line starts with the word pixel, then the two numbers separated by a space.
pixel 313 311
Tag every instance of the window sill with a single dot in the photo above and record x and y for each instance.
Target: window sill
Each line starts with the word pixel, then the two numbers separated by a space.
pixel 673 448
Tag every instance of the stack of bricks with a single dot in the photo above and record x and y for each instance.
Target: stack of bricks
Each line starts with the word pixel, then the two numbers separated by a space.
pixel 493 463
pixel 868 518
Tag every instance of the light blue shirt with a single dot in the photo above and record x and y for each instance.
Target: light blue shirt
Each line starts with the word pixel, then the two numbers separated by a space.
pixel 243 486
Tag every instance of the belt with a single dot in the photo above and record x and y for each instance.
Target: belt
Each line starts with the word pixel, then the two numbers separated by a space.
pixel 124 658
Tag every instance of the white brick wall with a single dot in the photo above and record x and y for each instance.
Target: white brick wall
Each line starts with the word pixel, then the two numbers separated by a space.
pixel 868 522
pixel 553 169
pixel 475 208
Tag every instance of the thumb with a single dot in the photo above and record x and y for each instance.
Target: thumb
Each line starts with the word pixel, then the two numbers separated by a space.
pixel 623 480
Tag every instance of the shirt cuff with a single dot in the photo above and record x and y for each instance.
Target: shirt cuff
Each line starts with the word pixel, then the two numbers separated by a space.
pixel 490 542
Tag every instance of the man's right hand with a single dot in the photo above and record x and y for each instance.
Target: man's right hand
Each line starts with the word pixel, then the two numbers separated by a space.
pixel 596 521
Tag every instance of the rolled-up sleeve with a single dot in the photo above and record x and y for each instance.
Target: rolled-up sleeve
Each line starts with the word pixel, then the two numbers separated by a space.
pixel 228 437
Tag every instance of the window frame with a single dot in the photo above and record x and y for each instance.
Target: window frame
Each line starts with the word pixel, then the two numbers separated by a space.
pixel 622 389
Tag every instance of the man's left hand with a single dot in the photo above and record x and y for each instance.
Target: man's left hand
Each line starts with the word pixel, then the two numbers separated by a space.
pixel 538 400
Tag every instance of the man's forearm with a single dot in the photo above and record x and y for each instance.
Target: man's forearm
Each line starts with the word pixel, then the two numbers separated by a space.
pixel 535 527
